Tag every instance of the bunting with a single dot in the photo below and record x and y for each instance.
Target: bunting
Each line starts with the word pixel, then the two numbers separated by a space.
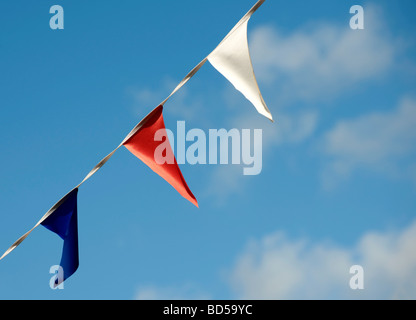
pixel 232 59
pixel 64 222
pixel 143 145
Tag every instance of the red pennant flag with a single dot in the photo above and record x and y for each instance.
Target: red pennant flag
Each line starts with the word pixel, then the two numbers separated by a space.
pixel 145 147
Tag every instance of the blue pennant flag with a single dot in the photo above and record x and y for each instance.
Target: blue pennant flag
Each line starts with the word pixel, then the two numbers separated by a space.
pixel 64 222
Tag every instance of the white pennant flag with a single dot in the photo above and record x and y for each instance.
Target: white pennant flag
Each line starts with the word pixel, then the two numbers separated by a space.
pixel 232 59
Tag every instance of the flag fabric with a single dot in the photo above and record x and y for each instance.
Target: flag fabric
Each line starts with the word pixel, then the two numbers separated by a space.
pixel 64 222
pixel 144 146
pixel 232 59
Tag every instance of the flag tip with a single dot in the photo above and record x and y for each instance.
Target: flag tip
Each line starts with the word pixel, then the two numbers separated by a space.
pixel 269 116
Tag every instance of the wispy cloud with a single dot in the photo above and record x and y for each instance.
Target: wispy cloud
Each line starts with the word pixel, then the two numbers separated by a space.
pixel 293 128
pixel 182 105
pixel 322 60
pixel 276 267
pixel 379 141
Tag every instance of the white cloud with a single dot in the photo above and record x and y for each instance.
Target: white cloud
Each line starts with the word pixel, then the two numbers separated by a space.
pixel 382 141
pixel 323 59
pixel 292 128
pixel 279 268
pixel 182 105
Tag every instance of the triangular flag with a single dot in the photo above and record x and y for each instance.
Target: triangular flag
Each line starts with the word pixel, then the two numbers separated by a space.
pixel 145 147
pixel 63 221
pixel 232 59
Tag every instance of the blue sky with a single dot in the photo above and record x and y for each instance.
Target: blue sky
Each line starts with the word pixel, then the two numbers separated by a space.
pixel 339 171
